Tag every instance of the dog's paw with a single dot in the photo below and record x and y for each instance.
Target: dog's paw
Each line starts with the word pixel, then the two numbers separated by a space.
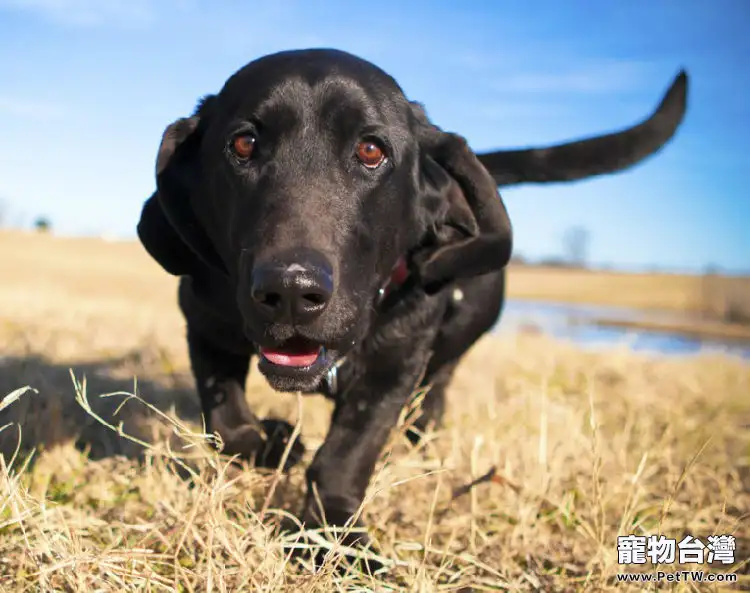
pixel 278 434
pixel 263 443
pixel 344 548
pixel 338 542
pixel 356 552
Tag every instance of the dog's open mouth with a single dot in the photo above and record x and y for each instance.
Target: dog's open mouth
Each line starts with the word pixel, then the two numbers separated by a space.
pixel 297 364
pixel 294 353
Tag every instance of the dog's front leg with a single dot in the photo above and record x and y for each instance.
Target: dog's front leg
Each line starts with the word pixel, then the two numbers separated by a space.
pixel 363 420
pixel 220 378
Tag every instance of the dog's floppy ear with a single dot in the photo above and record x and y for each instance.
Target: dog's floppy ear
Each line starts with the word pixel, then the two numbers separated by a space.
pixel 169 228
pixel 597 155
pixel 475 234
pixel 162 242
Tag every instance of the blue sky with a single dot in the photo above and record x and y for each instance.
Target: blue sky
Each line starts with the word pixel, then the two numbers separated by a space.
pixel 87 87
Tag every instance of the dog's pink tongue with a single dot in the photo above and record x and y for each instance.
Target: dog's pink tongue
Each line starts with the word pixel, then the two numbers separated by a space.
pixel 291 359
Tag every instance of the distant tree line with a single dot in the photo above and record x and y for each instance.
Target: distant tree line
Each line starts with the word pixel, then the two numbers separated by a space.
pixel 41 224
pixel 574 252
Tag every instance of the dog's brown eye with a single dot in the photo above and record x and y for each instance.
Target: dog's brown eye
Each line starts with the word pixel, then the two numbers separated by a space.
pixel 370 154
pixel 243 146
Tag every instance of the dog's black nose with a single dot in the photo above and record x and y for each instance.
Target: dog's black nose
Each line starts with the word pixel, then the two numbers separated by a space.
pixel 294 289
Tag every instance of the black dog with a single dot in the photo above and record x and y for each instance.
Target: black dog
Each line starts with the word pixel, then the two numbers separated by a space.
pixel 319 220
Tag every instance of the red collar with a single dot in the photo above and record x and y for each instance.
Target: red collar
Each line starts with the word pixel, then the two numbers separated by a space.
pixel 399 274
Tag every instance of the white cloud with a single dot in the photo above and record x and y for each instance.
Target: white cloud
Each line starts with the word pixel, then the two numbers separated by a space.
pixel 31 108
pixel 599 77
pixel 513 109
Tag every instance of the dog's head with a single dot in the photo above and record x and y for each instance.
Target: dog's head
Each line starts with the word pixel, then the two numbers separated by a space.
pixel 308 180
pixel 312 184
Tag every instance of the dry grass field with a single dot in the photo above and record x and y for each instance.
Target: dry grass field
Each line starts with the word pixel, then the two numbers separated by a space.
pixel 585 446
pixel 719 296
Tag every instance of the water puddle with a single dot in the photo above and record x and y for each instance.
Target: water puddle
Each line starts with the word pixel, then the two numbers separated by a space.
pixel 574 322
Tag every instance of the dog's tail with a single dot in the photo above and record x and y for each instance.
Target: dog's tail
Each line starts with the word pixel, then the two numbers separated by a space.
pixel 595 155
